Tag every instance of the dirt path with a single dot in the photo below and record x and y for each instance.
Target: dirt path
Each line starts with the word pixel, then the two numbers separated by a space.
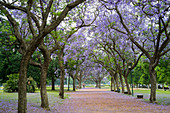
pixel 93 100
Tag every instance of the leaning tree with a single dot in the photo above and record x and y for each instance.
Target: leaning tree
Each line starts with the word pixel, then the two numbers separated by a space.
pixel 29 20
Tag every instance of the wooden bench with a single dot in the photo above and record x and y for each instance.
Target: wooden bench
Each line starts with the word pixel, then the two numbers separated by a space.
pixel 139 96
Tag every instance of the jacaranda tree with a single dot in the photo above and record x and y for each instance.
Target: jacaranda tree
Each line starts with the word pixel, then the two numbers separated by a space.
pixel 29 20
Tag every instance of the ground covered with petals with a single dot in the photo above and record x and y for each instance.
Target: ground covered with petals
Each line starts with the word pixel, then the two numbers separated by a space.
pixel 88 100
pixel 102 101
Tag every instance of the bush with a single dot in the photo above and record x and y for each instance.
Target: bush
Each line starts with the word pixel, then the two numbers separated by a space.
pixel 31 85
pixel 11 85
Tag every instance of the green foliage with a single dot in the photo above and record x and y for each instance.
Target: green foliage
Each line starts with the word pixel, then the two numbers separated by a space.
pixel 163 71
pixel 145 77
pixel 10 63
pixel 31 85
pixel 10 60
pixel 140 73
pixel 11 85
pixel 34 72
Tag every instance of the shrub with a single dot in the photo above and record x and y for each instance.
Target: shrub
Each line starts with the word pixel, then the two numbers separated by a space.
pixel 31 85
pixel 11 85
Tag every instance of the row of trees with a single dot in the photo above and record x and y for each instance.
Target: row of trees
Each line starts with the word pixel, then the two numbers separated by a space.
pixel 125 31
pixel 96 38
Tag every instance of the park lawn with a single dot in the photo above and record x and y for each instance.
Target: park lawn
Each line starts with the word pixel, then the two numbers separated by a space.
pixel 163 97
pixel 34 99
pixel 57 89
pixel 4 96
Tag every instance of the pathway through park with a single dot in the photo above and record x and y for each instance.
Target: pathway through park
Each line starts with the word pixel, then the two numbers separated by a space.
pixel 92 100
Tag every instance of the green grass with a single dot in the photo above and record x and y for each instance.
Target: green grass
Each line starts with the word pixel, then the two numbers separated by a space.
pixel 147 91
pixel 33 98
pixel 4 96
pixel 163 97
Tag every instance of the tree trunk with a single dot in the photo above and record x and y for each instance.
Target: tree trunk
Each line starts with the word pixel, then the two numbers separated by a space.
pixel 53 83
pixel 61 92
pixel 44 71
pixel 121 80
pixel 111 87
pixel 99 83
pixel 44 97
pixel 116 81
pixel 74 84
pixel 80 83
pixel 127 86
pixel 68 83
pixel 153 84
pixel 114 85
pixel 22 92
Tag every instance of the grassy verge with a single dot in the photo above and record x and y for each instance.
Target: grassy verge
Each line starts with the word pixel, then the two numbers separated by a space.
pixel 32 98
pixel 163 97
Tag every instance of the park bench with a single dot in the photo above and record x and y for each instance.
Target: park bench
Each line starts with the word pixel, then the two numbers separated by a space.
pixel 125 92
pixel 139 96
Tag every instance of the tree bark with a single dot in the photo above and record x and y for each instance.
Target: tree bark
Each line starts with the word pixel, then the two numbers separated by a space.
pixel 74 83
pixel 114 85
pixel 111 87
pixel 22 92
pixel 43 91
pixel 121 80
pixel 99 83
pixel 61 92
pixel 44 71
pixel 53 83
pixel 116 81
pixel 68 83
pixel 127 86
pixel 153 83
pixel 80 83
